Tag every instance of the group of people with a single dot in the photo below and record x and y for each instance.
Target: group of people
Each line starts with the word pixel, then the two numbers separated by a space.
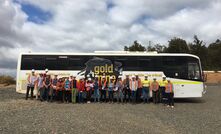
pixel 87 89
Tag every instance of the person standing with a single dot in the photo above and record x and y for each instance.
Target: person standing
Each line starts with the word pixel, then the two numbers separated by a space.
pixel 145 90
pixel 53 88
pixel 60 89
pixel 163 82
pixel 104 89
pixel 47 85
pixel 133 87
pixel 169 90
pixel 88 86
pixel 139 89
pixel 119 90
pixel 74 88
pixel 126 89
pixel 40 87
pixel 96 90
pixel 81 88
pixel 155 91
pixel 110 90
pixel 67 87
pixel 32 79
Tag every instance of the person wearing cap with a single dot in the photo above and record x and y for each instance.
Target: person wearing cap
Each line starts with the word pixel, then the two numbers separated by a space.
pixel 47 85
pixel 139 89
pixel 45 73
pixel 67 87
pixel 110 90
pixel 40 86
pixel 126 89
pixel 103 86
pixel 81 89
pixel 31 80
pixel 155 91
pixel 163 82
pixel 74 88
pixel 169 90
pixel 96 90
pixel 60 90
pixel 119 90
pixel 88 86
pixel 133 88
pixel 145 90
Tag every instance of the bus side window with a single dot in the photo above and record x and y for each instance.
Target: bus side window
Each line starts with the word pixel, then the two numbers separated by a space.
pixel 193 71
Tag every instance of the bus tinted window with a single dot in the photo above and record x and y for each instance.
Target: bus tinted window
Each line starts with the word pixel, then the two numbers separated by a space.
pixel 32 62
pixel 175 66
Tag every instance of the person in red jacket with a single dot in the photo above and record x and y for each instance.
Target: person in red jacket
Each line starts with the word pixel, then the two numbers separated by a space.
pixel 81 89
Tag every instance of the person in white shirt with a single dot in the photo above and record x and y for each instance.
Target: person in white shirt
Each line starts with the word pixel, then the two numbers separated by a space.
pixel 40 86
pixel 31 84
pixel 133 88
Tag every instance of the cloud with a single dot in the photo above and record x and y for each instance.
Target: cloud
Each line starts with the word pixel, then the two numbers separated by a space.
pixel 86 25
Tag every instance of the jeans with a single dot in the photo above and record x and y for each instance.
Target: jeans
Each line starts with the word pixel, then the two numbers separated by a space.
pixel 145 93
pixel 134 96
pixel 155 96
pixel 120 95
pixel 127 94
pixel 96 95
pixel 74 94
pixel 170 100
pixel 67 96
pixel 138 94
pixel 163 96
pixel 80 96
pixel 103 95
pixel 52 95
pixel 41 93
pixel 60 95
pixel 89 95
pixel 111 96
pixel 27 92
pixel 46 93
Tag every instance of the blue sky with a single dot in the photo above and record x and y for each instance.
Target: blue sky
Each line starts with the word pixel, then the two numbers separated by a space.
pixel 36 14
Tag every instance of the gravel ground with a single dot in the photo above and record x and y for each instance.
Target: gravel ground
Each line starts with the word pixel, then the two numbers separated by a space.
pixel 190 116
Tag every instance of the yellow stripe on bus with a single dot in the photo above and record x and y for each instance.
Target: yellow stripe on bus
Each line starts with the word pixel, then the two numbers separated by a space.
pixel 186 82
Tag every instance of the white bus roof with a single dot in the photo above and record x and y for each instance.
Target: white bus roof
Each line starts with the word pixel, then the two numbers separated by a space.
pixel 114 53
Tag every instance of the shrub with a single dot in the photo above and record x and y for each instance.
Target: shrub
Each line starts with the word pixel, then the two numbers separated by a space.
pixel 7 80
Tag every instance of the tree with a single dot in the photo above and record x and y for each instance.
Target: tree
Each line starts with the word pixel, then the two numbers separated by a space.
pixel 214 51
pixel 198 48
pixel 177 45
pixel 135 47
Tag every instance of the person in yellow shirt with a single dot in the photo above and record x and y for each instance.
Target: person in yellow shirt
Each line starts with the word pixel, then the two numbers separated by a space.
pixel 145 89
pixel 163 83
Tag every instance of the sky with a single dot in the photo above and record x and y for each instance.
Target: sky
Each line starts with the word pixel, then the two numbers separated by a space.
pixel 89 25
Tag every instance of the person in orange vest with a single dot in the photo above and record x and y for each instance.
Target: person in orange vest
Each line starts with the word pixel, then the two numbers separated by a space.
pixel 133 88
pixel 139 89
pixel 155 91
pixel 169 90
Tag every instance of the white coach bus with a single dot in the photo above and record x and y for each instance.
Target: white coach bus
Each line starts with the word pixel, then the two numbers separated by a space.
pixel 184 70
